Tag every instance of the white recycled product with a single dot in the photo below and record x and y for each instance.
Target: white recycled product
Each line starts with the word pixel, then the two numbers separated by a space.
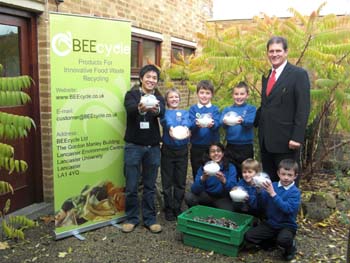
pixel 180 132
pixel 260 178
pixel 238 194
pixel 204 120
pixel 211 168
pixel 149 100
pixel 231 118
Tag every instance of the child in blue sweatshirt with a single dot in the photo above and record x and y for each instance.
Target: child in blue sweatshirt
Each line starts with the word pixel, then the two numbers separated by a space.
pixel 174 155
pixel 239 136
pixel 250 168
pixel 203 135
pixel 213 190
pixel 281 202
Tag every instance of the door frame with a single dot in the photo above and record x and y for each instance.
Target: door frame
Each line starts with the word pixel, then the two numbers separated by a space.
pixel 31 19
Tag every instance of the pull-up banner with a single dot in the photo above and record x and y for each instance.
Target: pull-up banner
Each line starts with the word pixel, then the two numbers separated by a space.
pixel 90 73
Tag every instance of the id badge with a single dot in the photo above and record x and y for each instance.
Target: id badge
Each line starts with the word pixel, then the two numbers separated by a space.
pixel 144 125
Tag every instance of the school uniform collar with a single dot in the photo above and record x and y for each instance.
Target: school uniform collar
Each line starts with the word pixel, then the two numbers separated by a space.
pixel 201 105
pixel 279 69
pixel 285 187
pixel 242 105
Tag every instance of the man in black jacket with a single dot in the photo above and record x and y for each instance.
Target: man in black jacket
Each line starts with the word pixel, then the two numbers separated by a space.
pixel 284 111
pixel 142 152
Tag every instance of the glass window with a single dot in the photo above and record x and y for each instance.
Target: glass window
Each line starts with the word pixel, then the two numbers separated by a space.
pixel 9 50
pixel 134 54
pixel 149 52
pixel 177 51
pixel 144 51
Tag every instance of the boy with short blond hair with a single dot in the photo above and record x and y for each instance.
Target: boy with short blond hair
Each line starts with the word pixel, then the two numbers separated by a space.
pixel 251 164
pixel 281 202
pixel 203 135
pixel 250 168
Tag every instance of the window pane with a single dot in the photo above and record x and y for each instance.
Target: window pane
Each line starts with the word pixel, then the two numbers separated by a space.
pixel 134 54
pixel 188 51
pixel 149 52
pixel 9 50
pixel 177 53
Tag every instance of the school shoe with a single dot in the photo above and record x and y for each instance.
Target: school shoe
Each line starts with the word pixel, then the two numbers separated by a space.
pixel 127 227
pixel 268 245
pixel 155 228
pixel 169 216
pixel 289 253
pixel 246 246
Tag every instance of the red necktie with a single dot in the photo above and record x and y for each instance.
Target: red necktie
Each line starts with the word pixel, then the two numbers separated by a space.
pixel 271 82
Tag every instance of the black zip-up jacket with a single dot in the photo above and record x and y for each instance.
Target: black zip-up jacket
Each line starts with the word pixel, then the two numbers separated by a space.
pixel 133 133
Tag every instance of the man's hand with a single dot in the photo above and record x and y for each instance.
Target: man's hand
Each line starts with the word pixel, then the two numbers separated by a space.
pixel 293 145
pixel 143 109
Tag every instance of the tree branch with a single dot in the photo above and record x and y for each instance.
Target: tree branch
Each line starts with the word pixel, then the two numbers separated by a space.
pixel 304 50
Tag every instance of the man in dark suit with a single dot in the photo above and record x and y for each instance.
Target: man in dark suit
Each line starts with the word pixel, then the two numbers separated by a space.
pixel 284 111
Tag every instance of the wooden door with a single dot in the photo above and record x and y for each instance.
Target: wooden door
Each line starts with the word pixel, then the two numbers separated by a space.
pixel 19 57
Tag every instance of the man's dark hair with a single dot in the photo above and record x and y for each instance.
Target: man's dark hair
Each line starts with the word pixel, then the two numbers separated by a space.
pixel 149 68
pixel 205 84
pixel 277 40
pixel 289 164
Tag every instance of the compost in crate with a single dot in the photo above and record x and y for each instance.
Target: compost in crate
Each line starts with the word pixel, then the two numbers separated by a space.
pixel 217 221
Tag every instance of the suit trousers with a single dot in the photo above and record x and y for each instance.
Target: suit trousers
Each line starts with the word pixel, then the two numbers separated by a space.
pixel 270 162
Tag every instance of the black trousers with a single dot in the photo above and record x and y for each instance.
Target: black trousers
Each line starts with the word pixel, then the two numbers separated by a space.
pixel 221 202
pixel 197 153
pixel 173 173
pixel 266 236
pixel 237 153
pixel 270 162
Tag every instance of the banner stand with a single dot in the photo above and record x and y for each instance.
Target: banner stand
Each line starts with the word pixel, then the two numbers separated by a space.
pixel 90 74
pixel 77 232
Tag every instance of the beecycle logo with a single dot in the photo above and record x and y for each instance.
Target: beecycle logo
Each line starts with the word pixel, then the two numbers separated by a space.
pixel 64 43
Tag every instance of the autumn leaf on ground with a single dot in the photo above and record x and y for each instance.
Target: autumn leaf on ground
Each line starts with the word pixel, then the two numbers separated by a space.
pixel 4 245
pixel 47 219
pixel 321 224
pixel 62 254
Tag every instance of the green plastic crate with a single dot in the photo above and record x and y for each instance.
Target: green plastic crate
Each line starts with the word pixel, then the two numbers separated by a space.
pixel 210 245
pixel 213 237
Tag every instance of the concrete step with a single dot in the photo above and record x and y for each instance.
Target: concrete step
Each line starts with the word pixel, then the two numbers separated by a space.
pixel 34 211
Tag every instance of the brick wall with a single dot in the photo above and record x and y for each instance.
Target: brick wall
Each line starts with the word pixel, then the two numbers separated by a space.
pixel 171 18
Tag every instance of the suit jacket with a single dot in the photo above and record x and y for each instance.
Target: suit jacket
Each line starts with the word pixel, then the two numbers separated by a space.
pixel 283 115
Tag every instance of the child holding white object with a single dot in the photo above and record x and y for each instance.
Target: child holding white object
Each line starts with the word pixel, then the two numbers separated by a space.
pixel 174 154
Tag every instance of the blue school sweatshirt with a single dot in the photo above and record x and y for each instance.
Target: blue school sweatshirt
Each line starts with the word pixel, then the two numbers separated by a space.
pixel 204 136
pixel 173 118
pixel 282 209
pixel 241 133
pixel 252 192
pixel 212 185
